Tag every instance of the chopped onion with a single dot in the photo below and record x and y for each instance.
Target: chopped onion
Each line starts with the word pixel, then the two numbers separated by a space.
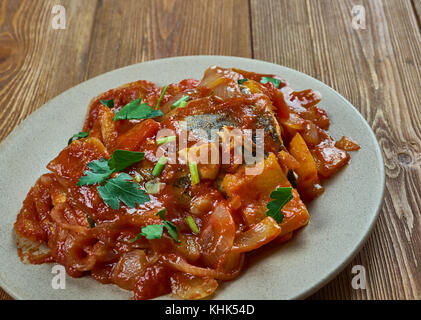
pixel 153 186
pixel 190 287
pixel 257 236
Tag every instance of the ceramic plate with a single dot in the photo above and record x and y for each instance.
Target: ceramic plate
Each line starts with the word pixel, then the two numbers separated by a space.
pixel 341 218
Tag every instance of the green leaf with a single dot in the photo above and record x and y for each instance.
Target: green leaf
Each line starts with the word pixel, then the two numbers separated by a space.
pixel 124 190
pixel 281 196
pixel 108 103
pixel 98 172
pixel 241 81
pixel 275 82
pixel 162 213
pixel 121 159
pixel 136 110
pixel 78 136
pixel 152 231
pixel 172 230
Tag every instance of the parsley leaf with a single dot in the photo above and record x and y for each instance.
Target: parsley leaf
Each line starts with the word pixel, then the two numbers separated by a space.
pixel 275 82
pixel 161 213
pixel 171 227
pixel 172 230
pixel 121 189
pixel 281 197
pixel 241 81
pixel 98 172
pixel 152 231
pixel 121 159
pixel 78 136
pixel 108 103
pixel 136 110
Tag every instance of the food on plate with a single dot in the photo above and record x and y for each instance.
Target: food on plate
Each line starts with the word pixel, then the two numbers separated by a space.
pixel 166 189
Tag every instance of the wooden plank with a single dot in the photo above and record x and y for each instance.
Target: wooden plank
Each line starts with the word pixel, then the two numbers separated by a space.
pixel 377 69
pixel 38 62
pixel 142 30
pixel 416 4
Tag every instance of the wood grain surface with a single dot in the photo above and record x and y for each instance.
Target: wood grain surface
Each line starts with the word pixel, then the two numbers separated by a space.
pixel 377 68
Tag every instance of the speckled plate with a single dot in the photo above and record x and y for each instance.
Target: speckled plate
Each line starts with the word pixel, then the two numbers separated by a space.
pixel 341 219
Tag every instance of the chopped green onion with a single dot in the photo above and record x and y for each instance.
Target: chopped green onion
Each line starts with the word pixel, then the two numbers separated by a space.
pixel 161 97
pixel 275 82
pixel 241 81
pixel 180 102
pixel 153 187
pixel 159 166
pixel 192 224
pixel 165 140
pixel 195 179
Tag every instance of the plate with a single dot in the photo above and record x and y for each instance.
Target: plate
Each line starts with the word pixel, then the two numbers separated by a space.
pixel 341 219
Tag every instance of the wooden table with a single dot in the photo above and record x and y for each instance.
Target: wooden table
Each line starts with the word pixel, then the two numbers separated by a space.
pixel 377 68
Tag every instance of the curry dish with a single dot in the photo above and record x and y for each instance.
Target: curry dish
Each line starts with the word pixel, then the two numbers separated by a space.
pixel 144 197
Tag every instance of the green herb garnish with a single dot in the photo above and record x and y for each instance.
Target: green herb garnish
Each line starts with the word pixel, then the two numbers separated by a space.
pixel 192 224
pixel 136 110
pixel 78 136
pixel 159 166
pixel 124 190
pixel 162 213
pixel 98 172
pixel 108 103
pixel 165 140
pixel 101 170
pixel 180 102
pixel 161 97
pixel 275 82
pixel 152 231
pixel 281 196
pixel 121 159
pixel 194 173
pixel 172 230
pixel 241 81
